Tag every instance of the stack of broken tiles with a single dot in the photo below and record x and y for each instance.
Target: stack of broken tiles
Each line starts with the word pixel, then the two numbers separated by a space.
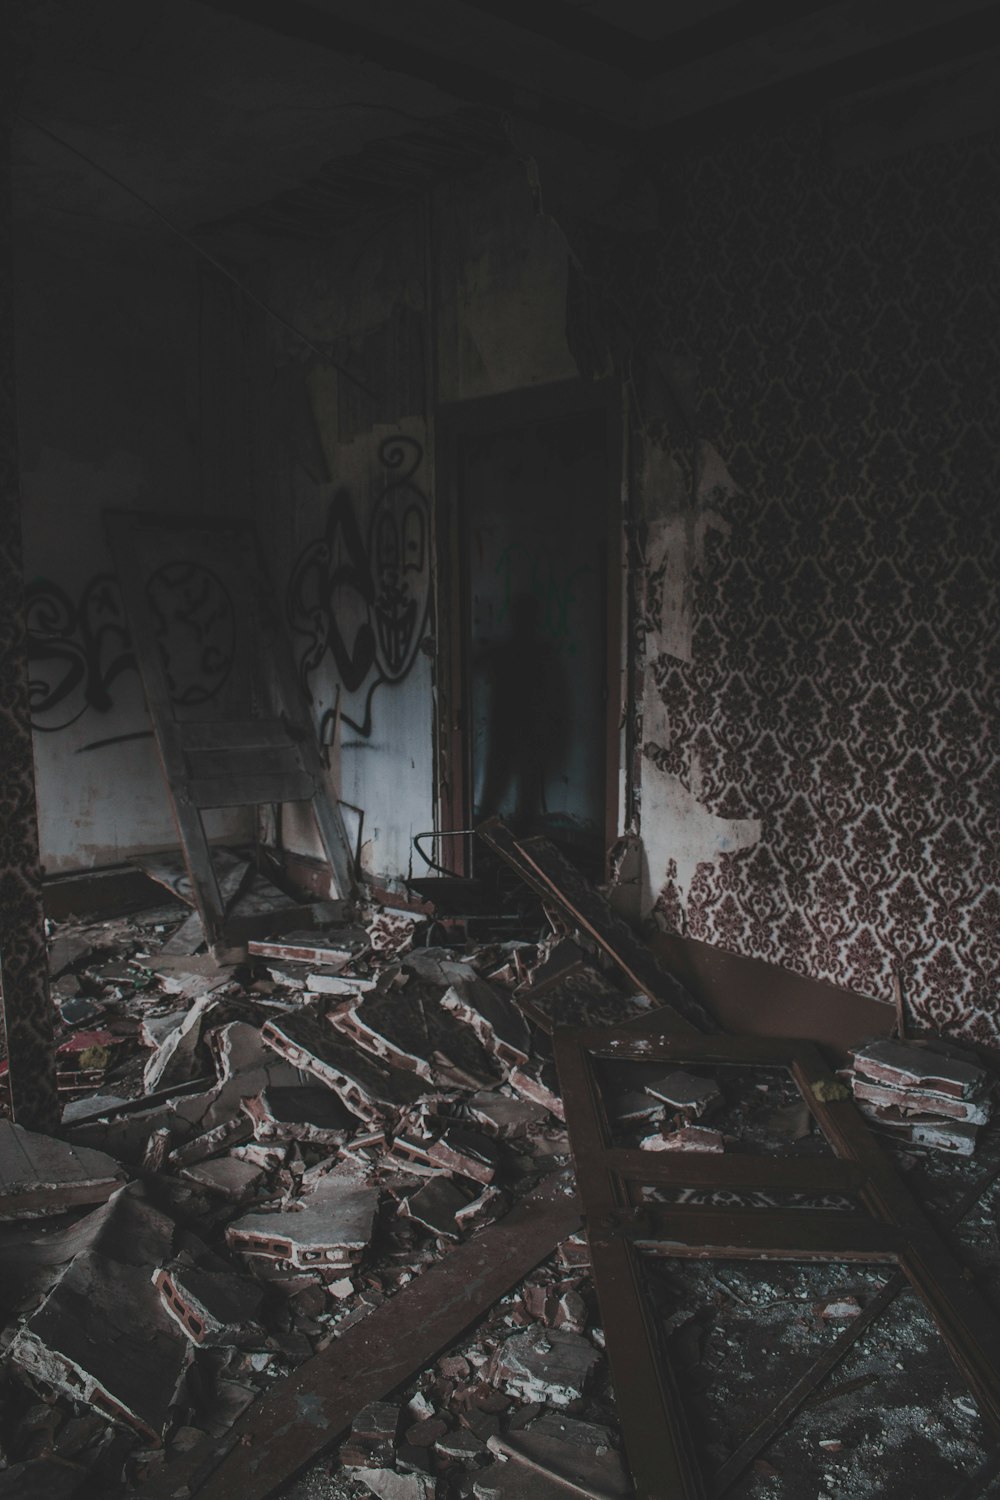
pixel 931 1093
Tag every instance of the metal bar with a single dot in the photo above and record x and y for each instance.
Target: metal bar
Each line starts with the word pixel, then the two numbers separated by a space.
pixel 546 869
pixel 284 1430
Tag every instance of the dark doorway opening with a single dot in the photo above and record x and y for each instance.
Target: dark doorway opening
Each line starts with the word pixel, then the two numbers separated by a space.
pixel 531 516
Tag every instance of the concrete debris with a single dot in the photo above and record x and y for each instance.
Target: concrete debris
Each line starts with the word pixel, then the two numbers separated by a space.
pixel 326 1230
pixel 435 1205
pixel 210 1307
pixel 102 1335
pixel 494 1021
pixel 580 1455
pixel 372 1443
pixel 40 1175
pixel 340 1111
pixel 369 1089
pixel 469 1153
pixel 551 1365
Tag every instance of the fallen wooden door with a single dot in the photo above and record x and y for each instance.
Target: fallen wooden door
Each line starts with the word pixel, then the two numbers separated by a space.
pixel 619 1189
pixel 232 725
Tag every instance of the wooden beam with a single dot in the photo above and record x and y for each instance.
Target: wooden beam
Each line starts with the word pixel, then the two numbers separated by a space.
pixel 25 1006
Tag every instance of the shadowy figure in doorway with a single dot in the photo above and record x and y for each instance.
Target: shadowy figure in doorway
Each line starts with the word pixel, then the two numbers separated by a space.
pixel 521 711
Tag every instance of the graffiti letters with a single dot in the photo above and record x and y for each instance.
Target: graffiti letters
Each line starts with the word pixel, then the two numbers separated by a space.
pixel 77 651
pixel 365 600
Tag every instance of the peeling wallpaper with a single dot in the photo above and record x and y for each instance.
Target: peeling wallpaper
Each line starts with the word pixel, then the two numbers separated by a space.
pixel 841 685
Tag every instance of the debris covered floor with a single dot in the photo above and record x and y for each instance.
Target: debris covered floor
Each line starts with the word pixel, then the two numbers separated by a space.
pixel 262 1155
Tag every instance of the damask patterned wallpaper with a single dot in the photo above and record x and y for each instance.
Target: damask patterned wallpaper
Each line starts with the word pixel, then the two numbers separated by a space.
pixel 843 687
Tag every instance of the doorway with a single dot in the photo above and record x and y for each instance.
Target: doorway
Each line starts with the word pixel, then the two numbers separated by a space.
pixel 532 486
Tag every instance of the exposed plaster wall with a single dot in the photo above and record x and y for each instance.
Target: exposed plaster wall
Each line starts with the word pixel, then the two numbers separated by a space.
pixel 461 298
pixel 107 383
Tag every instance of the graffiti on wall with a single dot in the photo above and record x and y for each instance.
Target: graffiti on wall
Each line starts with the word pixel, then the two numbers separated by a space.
pixel 362 599
pixel 78 650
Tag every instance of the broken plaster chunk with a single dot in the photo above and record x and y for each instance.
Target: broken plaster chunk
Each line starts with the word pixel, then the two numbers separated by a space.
pixel 410 1032
pixel 328 1229
pixel 550 1365
pixel 435 1205
pixel 689 1138
pixel 41 1175
pixel 687 1093
pixel 907 1065
pixel 209 1307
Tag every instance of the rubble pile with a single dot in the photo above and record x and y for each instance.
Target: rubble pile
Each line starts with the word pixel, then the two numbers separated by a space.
pixel 931 1093
pixel 253 1158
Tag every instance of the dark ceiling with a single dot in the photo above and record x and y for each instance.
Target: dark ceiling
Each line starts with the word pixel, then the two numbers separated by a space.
pixel 209 107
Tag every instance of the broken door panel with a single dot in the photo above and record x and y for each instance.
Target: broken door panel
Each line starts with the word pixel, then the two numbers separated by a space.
pixel 639 1202
pixel 231 722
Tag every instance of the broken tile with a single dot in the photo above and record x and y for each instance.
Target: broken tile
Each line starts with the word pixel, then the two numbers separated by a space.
pixel 372 1440
pixel 386 1485
pixel 917 1101
pixel 538 1083
pixel 503 1116
pixel 560 1447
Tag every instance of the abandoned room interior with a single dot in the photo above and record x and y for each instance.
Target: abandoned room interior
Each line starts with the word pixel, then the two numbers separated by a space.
pixel 499 755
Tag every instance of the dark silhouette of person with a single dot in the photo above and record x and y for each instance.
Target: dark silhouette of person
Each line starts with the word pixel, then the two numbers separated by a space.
pixel 521 713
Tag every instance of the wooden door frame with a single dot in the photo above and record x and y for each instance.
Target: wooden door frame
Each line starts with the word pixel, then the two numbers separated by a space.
pixel 456 421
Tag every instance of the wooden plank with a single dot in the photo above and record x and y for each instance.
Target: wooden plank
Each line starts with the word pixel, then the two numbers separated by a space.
pixel 283 1431
pixel 893 1229
pixel 326 811
pixel 122 530
pixel 763 1234
pixel 233 734
pixel 270 760
pixel 251 789
pixel 809 1174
